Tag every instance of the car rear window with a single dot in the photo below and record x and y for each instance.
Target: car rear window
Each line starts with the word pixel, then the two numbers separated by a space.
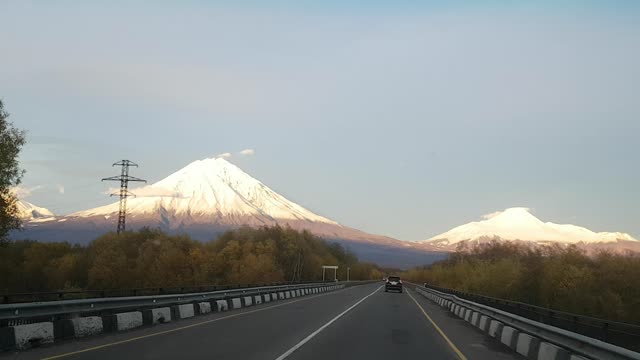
pixel 393 278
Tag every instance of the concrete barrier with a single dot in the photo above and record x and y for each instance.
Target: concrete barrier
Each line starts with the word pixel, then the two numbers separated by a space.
pixel 236 303
pixel 293 293
pixel 266 298
pixel 122 321
pixel 222 305
pixel 247 301
pixel 274 296
pixel 86 326
pixel 527 346
pixel 509 336
pixel 298 293
pixel 551 352
pixel 483 324
pixel 495 327
pixel 287 294
pixel 475 319
pixel 203 308
pixel 281 296
pixel 257 299
pixel 182 311
pixel 467 315
pixel 156 316
pixel 26 336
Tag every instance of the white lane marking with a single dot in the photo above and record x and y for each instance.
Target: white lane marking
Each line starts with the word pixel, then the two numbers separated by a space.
pixel 305 340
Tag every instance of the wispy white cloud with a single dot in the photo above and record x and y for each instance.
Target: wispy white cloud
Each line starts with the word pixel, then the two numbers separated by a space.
pixel 491 215
pixel 23 192
pixel 247 152
pixel 60 188
pixel 224 155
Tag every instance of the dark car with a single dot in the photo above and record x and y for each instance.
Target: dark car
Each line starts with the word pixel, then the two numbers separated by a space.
pixel 393 283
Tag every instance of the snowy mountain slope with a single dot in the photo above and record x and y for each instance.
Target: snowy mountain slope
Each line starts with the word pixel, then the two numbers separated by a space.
pixel 520 224
pixel 28 211
pixel 206 190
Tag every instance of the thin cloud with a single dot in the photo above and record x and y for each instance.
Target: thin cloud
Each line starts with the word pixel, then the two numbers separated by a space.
pixel 247 152
pixel 23 192
pixel 60 188
pixel 491 215
pixel 224 155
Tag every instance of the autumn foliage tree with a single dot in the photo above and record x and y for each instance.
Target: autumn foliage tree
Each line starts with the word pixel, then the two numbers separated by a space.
pixel 11 142
pixel 604 285
pixel 151 258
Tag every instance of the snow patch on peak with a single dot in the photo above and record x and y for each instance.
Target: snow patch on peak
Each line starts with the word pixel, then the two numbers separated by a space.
pixel 210 189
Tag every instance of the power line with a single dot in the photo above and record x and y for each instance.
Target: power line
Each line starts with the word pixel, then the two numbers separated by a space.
pixel 124 193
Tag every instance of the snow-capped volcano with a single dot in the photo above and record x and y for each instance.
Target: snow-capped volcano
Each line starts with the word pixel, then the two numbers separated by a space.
pixel 519 224
pixel 27 211
pixel 210 196
pixel 210 190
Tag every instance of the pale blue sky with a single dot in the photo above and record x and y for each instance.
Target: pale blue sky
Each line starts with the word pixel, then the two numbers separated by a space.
pixel 397 118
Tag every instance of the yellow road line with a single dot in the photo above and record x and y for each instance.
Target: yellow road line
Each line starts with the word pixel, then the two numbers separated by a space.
pixel 181 328
pixel 451 344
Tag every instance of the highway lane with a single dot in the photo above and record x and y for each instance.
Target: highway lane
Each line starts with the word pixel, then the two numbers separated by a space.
pixel 357 322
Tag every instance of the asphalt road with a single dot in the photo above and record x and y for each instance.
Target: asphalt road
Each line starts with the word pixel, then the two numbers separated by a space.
pixel 361 322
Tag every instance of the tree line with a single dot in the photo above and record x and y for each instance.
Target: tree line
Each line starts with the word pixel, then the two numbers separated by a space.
pixel 152 258
pixel 605 285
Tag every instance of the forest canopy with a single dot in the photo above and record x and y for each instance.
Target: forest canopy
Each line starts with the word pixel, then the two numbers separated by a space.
pixel 605 285
pixel 152 258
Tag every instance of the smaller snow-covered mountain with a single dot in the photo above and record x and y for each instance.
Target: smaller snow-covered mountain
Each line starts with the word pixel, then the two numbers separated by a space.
pixel 28 211
pixel 519 224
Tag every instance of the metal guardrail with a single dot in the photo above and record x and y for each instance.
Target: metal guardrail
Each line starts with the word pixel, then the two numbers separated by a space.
pixel 22 313
pixel 576 343
pixel 10 298
pixel 617 333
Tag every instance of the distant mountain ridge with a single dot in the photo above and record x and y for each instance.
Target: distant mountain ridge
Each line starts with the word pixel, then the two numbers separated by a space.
pixel 210 196
pixel 519 224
